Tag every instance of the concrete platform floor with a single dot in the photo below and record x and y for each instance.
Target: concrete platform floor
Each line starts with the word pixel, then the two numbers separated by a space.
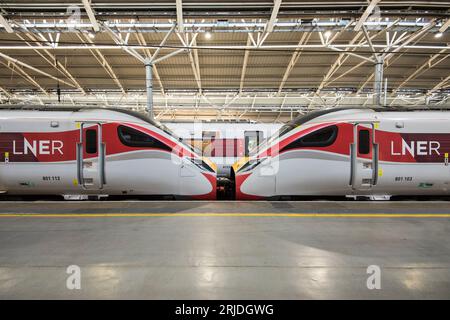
pixel 225 250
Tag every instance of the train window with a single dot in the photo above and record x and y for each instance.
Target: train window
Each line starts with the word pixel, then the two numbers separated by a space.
pixel 134 138
pixel 321 138
pixel 364 141
pixel 91 141
pixel 252 140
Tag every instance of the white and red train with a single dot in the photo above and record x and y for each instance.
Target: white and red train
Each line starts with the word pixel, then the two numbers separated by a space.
pixel 224 142
pixel 97 152
pixel 375 153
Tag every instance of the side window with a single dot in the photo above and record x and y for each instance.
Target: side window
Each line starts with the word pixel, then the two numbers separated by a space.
pixel 321 138
pixel 364 141
pixel 91 141
pixel 252 140
pixel 134 138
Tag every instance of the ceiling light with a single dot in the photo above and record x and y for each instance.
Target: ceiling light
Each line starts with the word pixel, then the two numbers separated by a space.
pixel 438 35
pixel 208 35
pixel 327 34
pixel 91 35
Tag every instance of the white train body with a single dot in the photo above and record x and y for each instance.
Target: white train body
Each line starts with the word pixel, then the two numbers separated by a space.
pixel 351 152
pixel 224 143
pixel 97 152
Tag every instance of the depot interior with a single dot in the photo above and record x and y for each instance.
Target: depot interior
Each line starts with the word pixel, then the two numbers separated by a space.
pixel 219 65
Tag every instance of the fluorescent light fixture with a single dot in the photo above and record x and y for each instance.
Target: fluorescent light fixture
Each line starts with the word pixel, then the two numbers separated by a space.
pixel 208 35
pixel 438 35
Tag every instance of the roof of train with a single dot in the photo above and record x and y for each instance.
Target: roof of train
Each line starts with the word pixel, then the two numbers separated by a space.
pixel 51 108
pixel 373 110
pixel 143 117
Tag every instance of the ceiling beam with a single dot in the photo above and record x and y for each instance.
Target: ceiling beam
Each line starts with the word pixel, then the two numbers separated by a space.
pixel 337 63
pixel 180 16
pixel 388 53
pixel 91 15
pixel 19 70
pixel 440 85
pixel 421 69
pixel 194 62
pixel 273 16
pixel 444 26
pixel 5 92
pixel 52 60
pixel 103 62
pixel 124 45
pixel 244 64
pixel 366 14
pixel 294 58
pixel 141 40
pixel 5 24
pixel 35 69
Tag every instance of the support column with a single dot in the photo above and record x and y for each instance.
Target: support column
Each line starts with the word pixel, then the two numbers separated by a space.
pixel 378 82
pixel 149 86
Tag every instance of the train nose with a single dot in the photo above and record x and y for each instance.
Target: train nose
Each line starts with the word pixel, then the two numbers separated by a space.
pixel 212 195
pixel 241 192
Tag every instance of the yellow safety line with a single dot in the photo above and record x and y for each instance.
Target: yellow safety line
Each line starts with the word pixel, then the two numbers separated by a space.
pixel 229 214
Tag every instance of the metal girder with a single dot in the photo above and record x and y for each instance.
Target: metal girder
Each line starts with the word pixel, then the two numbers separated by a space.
pixel 440 85
pixel 424 67
pixel 387 54
pixel 251 103
pixel 148 54
pixel 445 26
pixel 366 14
pixel 242 26
pixel 17 69
pixel 103 62
pixel 295 56
pixel 336 47
pixel 196 64
pixel 180 21
pixel 123 45
pixel 5 24
pixel 51 60
pixel 273 16
pixel 15 61
pixel 335 65
pixel 194 61
pixel 163 42
pixel 244 64
pixel 344 59
pixel 91 15
pixel 5 92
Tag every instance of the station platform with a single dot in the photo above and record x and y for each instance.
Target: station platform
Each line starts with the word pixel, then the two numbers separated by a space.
pixel 225 250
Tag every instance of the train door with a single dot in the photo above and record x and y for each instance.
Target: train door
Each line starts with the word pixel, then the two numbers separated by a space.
pixel 91 157
pixel 364 156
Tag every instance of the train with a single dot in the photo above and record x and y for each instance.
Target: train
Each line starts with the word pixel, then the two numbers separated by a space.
pixel 374 153
pixel 86 152
pixel 224 143
pixel 83 153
